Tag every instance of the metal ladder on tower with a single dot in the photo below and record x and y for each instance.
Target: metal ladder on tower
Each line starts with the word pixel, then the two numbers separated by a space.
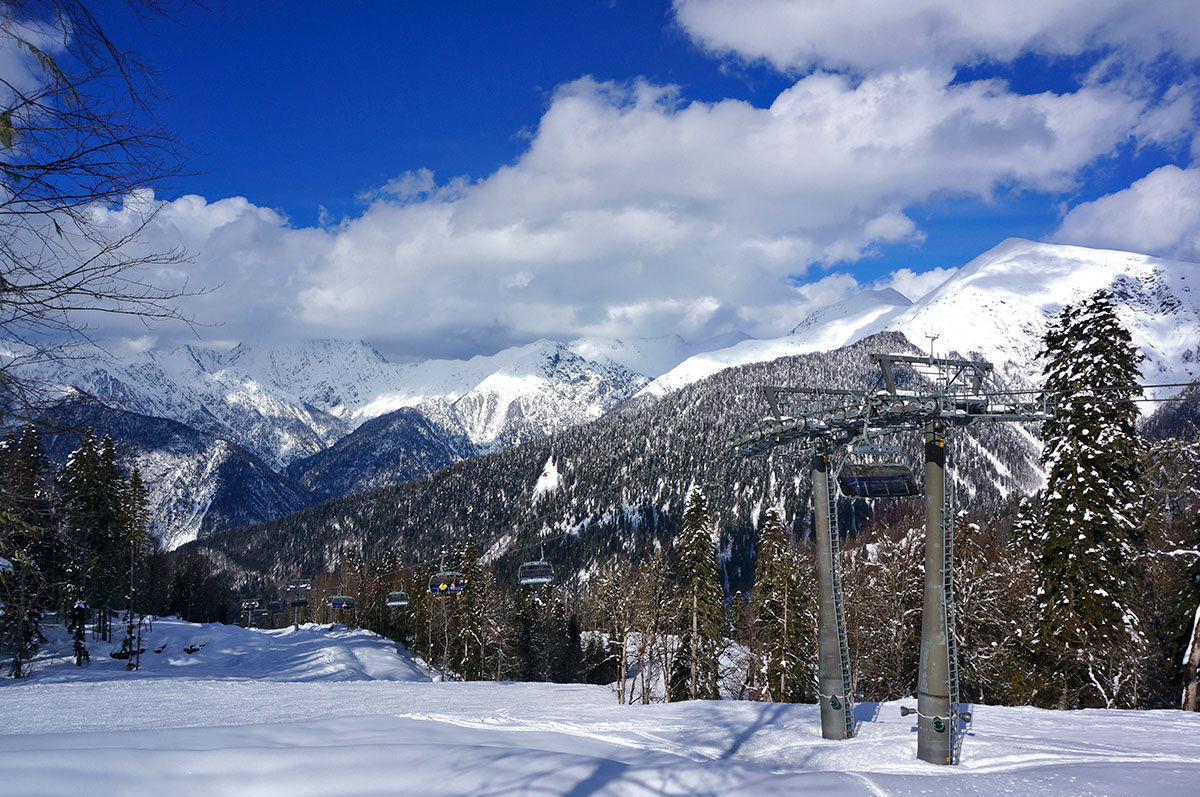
pixel 948 510
pixel 839 607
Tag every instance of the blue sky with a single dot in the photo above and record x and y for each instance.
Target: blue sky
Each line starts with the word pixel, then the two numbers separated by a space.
pixel 446 179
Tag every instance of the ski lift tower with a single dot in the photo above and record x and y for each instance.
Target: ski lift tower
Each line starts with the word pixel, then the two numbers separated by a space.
pixel 833 424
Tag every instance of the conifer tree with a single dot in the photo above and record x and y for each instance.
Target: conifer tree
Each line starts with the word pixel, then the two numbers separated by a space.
pixel 92 488
pixel 471 609
pixel 779 616
pixel 77 626
pixel 1169 592
pixel 1090 642
pixel 28 543
pixel 701 613
pixel 532 647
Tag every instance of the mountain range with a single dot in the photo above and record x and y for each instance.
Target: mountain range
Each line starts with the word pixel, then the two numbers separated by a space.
pixel 266 429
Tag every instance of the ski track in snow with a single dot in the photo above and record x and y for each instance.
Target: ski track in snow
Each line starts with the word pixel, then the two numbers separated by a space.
pixel 325 710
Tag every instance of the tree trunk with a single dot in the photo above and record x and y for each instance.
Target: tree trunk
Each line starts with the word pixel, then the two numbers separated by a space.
pixel 695 635
pixel 783 648
pixel 1191 669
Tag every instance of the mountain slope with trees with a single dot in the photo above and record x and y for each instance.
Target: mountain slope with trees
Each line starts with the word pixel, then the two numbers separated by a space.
pixel 622 483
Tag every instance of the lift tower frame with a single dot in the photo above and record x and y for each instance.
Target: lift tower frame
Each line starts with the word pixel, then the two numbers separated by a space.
pixel 831 423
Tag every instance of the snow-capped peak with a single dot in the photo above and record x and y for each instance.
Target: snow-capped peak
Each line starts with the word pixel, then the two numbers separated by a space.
pixel 997 307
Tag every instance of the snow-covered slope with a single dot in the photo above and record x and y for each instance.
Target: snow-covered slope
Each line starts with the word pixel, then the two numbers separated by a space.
pixel 287 401
pixel 330 711
pixel 997 307
pixel 311 653
pixel 999 304
pixel 830 328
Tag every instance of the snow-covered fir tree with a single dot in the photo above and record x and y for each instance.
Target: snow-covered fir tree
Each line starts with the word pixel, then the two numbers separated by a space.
pixel 471 608
pixel 28 542
pixel 781 626
pixel 701 615
pixel 1090 645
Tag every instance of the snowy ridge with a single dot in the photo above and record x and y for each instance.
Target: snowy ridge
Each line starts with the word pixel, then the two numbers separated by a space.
pixel 287 401
pixel 832 327
pixel 997 307
pixel 311 653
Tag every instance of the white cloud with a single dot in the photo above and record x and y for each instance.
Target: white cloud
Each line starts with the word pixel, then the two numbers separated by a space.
pixel 635 213
pixel 914 285
pixel 1157 215
pixel 870 35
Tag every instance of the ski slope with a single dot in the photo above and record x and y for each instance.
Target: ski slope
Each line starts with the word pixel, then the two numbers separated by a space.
pixel 328 711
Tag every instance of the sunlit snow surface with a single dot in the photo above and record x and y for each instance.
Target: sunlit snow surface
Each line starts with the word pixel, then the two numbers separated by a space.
pixel 326 711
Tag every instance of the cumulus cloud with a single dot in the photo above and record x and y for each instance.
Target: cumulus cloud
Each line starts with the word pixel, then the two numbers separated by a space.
pixel 633 212
pixel 870 35
pixel 915 285
pixel 1157 215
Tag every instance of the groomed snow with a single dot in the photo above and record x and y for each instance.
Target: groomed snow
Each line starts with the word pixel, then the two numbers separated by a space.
pixel 326 711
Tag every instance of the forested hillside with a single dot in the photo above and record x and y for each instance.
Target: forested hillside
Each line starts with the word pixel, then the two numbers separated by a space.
pixel 621 484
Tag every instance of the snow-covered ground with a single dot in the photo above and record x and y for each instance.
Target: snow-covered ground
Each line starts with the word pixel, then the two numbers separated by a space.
pixel 328 711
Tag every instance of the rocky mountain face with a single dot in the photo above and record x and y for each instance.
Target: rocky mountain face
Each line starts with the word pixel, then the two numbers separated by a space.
pixel 199 484
pixel 296 423
pixel 289 401
pixel 392 448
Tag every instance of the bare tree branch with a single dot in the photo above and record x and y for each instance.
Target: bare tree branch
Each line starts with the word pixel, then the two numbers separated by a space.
pixel 80 151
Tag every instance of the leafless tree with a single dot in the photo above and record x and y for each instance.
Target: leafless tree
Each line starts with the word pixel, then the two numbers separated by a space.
pixel 78 141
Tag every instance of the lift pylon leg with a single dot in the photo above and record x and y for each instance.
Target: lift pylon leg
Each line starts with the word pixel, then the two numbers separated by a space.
pixel 934 720
pixel 833 675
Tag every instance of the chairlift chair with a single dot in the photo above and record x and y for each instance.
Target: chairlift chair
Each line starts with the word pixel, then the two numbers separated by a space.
pixel 447 582
pixel 340 602
pixel 535 573
pixel 873 479
pixel 397 598
pixel 878 481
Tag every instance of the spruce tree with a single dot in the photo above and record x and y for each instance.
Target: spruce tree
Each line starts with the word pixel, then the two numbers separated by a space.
pixel 779 618
pixel 1090 641
pixel 28 542
pixel 92 487
pixel 472 609
pixel 701 608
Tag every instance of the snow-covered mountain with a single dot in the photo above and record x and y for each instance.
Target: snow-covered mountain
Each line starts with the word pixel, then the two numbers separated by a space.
pixel 649 356
pixel 288 401
pixel 830 328
pixel 289 404
pixel 198 484
pixel 997 307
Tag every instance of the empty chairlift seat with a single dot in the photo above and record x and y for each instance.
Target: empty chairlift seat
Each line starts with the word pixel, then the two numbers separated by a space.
pixel 397 598
pixel 535 573
pixel 446 583
pixel 877 481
